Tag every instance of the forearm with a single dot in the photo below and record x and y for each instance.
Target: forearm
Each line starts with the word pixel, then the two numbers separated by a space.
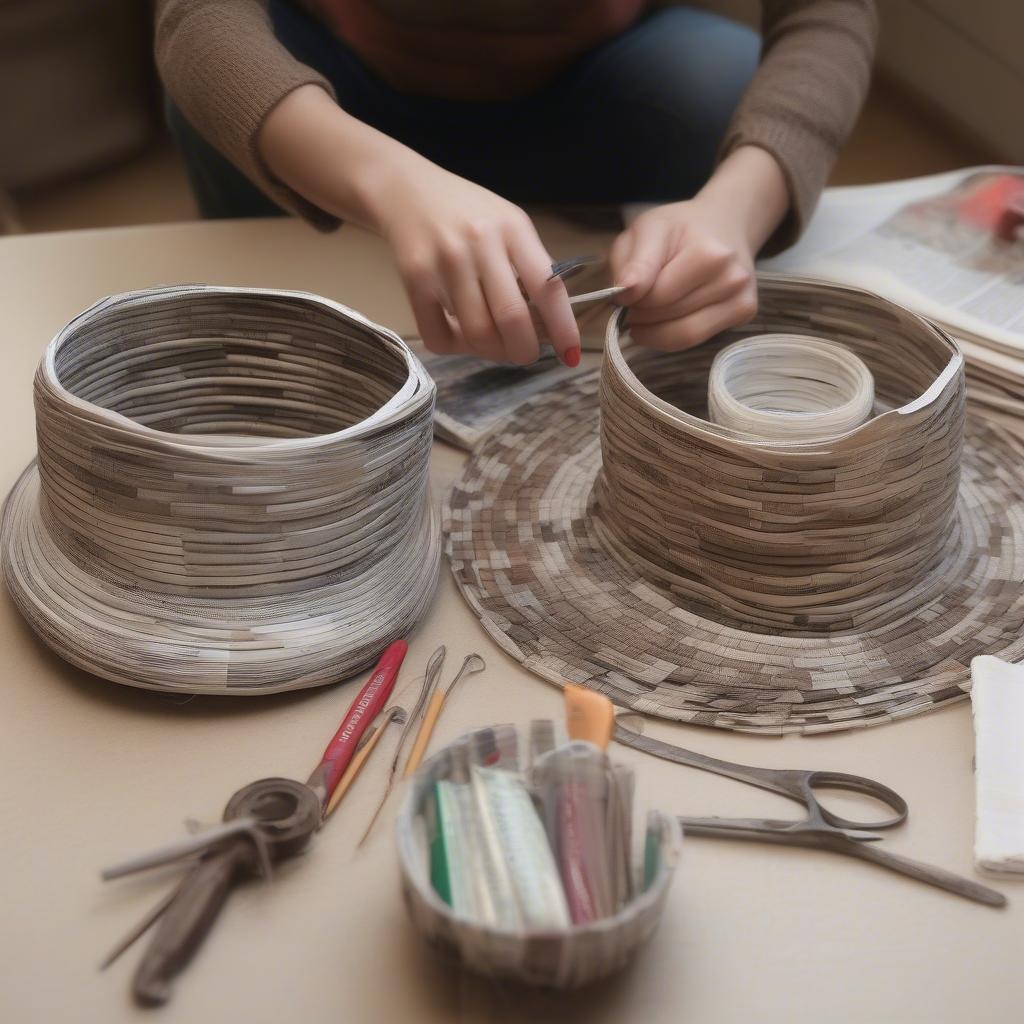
pixel 333 160
pixel 226 71
pixel 468 258
pixel 749 188
pixel 807 93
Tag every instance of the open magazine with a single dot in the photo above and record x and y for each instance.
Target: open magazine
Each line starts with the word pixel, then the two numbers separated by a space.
pixel 931 244
pixel 928 243
pixel 937 245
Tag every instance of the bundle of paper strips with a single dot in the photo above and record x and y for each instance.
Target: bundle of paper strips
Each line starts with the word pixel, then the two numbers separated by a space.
pixel 997 700
pixel 231 492
pixel 609 534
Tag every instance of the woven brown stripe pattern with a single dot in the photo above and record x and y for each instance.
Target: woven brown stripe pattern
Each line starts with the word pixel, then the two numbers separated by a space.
pixel 787 536
pixel 533 555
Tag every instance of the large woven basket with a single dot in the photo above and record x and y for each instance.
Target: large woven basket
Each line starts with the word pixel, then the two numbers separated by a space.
pixel 231 494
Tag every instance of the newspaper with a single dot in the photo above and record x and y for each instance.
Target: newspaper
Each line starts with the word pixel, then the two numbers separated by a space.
pixel 474 395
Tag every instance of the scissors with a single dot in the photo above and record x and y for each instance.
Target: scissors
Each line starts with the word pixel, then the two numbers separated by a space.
pixel 820 828
pixel 265 821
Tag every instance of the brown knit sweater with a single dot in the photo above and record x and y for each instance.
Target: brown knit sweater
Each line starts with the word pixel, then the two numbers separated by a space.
pixel 222 65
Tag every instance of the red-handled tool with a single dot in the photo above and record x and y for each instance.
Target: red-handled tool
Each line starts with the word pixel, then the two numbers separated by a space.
pixel 365 708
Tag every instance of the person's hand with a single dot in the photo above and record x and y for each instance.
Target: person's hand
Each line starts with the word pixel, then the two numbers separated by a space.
pixel 688 270
pixel 688 267
pixel 466 257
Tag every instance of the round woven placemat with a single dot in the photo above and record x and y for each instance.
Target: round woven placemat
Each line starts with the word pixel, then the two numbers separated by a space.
pixel 231 493
pixel 536 549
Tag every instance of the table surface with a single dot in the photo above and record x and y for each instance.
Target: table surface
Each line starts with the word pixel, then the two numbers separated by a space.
pixel 93 772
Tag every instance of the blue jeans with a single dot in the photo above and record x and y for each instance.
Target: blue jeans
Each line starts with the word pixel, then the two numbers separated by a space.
pixel 636 119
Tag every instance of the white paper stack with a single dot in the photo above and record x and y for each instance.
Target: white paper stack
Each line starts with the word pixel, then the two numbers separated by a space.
pixel 997 700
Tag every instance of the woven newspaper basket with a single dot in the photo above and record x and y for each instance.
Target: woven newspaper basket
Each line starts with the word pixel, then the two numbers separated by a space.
pixel 230 495
pixel 561 959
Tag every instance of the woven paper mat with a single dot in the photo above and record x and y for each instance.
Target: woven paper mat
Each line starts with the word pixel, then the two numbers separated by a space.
pixel 527 553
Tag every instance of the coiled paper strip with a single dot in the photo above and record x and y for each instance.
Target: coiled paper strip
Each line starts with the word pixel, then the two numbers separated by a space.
pixel 789 387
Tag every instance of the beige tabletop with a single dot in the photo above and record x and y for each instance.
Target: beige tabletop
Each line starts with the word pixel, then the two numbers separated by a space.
pixel 93 772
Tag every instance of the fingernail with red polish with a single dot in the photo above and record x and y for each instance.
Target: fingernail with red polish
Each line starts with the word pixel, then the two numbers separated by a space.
pixel 572 356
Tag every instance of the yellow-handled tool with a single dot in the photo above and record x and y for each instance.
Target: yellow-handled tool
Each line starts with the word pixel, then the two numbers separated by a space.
pixel 393 714
pixel 472 664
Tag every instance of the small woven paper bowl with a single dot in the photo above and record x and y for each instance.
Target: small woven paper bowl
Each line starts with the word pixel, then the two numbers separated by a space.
pixel 564 959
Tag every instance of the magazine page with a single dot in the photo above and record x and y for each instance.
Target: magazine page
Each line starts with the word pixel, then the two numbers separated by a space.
pixel 846 212
pixel 940 255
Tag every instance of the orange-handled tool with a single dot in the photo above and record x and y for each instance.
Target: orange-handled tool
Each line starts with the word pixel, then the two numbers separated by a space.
pixel 589 716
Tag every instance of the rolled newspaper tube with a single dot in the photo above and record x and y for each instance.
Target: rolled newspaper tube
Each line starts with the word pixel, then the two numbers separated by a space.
pixel 789 387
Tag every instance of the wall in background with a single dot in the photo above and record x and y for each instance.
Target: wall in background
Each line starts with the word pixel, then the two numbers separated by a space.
pixel 962 58
pixel 965 58
pixel 76 87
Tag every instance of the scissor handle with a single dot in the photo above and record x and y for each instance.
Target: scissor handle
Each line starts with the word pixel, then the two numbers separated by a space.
pixel 855 784
pixel 287 812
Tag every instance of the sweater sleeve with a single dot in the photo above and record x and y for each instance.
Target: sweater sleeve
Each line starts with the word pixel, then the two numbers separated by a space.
pixel 805 97
pixel 224 68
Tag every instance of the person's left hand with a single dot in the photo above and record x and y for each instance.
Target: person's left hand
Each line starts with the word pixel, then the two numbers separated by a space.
pixel 688 269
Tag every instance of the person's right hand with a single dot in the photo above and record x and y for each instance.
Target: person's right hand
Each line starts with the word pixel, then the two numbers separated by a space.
pixel 466 257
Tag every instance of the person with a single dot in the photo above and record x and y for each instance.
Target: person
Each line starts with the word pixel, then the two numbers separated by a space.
pixel 433 121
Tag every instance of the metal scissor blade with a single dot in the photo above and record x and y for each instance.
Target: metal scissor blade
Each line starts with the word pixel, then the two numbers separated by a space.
pixel 574 266
pixel 761 828
pixel 928 873
pixel 569 268
pixel 141 928
pixel 835 841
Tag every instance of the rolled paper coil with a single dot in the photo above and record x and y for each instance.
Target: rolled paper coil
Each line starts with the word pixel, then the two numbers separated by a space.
pixel 785 533
pixel 231 494
pixel 789 387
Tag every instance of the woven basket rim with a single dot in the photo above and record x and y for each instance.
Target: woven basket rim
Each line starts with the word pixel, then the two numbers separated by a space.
pixel 674 416
pixel 416 375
